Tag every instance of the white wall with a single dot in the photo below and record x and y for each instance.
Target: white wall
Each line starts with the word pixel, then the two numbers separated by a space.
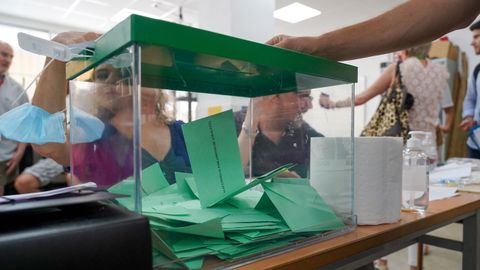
pixel 250 20
pixel 247 19
pixel 462 38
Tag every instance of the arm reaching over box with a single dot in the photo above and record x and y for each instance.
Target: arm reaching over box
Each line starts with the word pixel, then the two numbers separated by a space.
pixel 51 93
pixel 409 24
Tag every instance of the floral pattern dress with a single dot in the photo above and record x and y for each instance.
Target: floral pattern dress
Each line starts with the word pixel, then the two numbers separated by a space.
pixel 427 84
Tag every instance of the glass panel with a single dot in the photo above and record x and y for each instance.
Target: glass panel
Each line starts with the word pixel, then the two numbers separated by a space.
pixel 102 126
pixel 219 175
pixel 331 161
pixel 271 131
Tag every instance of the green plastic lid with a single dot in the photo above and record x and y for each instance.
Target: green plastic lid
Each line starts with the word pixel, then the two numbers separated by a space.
pixel 179 57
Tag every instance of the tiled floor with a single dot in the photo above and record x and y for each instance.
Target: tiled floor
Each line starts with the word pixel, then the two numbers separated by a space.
pixel 438 259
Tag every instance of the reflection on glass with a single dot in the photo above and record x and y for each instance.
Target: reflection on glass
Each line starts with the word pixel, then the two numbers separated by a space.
pixel 107 158
pixel 279 133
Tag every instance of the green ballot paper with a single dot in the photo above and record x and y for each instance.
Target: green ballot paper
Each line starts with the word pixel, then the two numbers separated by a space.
pixel 255 182
pixel 215 157
pixel 153 179
pixel 300 207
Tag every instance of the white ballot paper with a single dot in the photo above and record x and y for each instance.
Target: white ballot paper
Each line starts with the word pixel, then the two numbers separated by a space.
pixel 48 193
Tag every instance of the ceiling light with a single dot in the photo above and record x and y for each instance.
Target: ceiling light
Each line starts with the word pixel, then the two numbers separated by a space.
pixel 125 12
pixel 295 13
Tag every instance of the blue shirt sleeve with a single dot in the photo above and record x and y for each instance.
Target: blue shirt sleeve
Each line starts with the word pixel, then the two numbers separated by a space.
pixel 470 99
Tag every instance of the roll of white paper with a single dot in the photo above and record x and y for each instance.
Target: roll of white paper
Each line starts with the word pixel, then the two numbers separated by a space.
pixel 378 176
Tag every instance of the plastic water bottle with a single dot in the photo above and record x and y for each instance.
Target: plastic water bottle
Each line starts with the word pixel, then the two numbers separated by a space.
pixel 428 146
pixel 415 175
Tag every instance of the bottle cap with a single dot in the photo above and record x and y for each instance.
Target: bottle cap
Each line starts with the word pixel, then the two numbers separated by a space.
pixel 419 138
pixel 414 142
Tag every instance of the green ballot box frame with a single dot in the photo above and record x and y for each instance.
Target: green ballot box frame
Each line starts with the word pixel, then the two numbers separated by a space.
pixel 221 209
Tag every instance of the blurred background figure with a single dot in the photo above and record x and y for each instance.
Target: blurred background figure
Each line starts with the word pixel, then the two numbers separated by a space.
pixel 471 103
pixel 278 132
pixel 41 174
pixel 424 79
pixel 10 152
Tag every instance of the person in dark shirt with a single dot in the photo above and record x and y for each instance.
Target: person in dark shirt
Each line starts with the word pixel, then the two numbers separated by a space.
pixel 279 133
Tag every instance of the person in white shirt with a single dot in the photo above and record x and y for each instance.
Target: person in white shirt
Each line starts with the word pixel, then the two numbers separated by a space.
pixel 10 152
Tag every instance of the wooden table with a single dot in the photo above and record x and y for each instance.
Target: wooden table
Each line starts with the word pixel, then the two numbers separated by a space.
pixel 368 243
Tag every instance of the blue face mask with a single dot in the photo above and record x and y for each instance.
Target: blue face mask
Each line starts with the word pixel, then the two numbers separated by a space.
pixel 84 127
pixel 31 124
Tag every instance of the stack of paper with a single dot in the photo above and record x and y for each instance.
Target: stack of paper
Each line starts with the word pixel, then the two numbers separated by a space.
pixel 439 193
pixel 182 230
pixel 215 212
pixel 450 171
pixel 48 193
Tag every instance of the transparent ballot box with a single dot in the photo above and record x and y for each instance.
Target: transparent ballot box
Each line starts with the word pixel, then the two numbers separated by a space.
pixel 219 141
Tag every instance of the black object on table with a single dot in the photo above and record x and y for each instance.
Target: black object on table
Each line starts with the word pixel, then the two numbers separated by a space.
pixel 80 235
